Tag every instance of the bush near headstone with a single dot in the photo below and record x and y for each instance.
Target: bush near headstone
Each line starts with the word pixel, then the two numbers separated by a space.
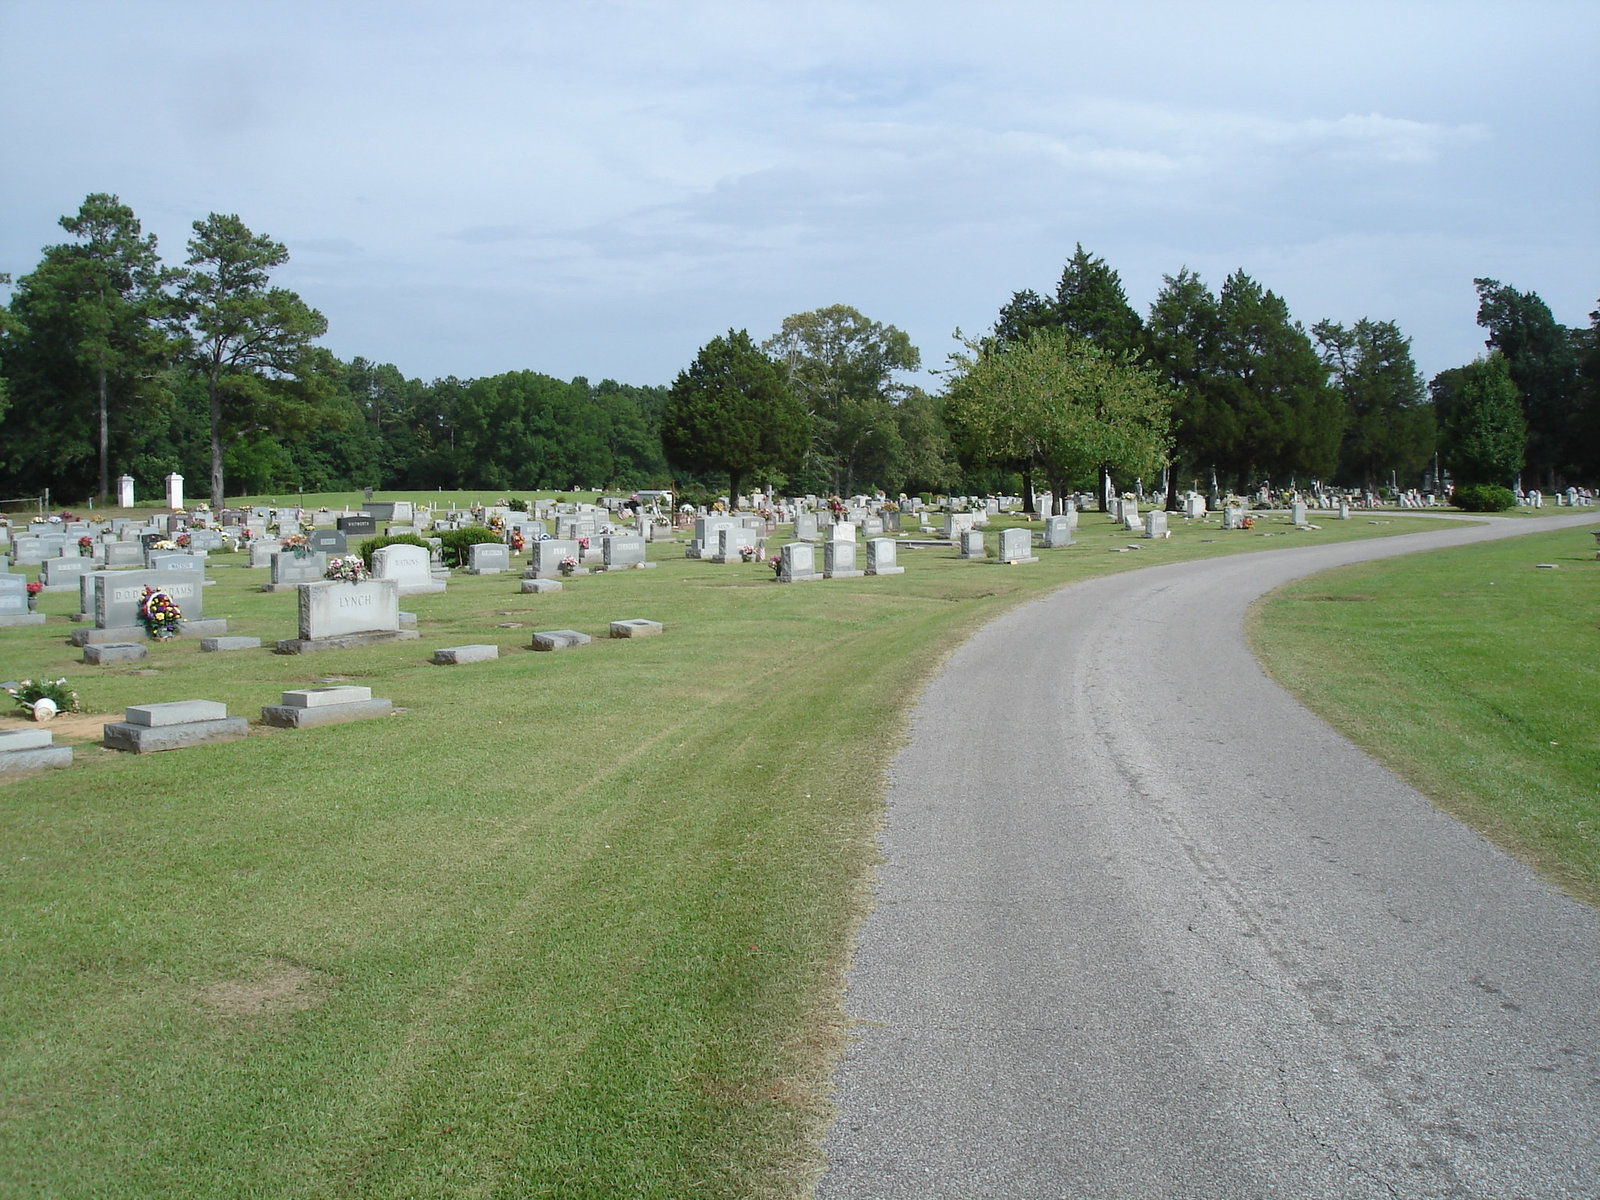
pixel 1484 497
pixel 372 545
pixel 454 542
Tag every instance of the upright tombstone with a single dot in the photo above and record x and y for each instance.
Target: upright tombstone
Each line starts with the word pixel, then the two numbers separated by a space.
pixel 799 563
pixel 881 554
pixel 972 545
pixel 125 491
pixel 408 566
pixel 203 540
pixel 1155 523
pixel 262 551
pixel 124 554
pixel 1130 513
pixel 175 490
pixel 839 559
pixel 1344 509
pixel 28 551
pixel 729 539
pixel 842 531
pixel 805 526
pixel 1232 517
pixel 358 525
pixel 547 556
pixel 1016 546
pixel 488 558
pixel 704 544
pixel 290 570
pixel 619 550
pixel 1194 505
pixel 336 615
pixel 1057 532
pixel 14 608
pixel 1297 512
pixel 332 542
pixel 64 574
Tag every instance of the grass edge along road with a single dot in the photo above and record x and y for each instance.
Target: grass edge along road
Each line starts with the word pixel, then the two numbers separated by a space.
pixel 570 925
pixel 1472 673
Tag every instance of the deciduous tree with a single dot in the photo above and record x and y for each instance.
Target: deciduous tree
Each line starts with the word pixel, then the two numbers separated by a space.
pixel 841 365
pixel 732 410
pixel 1486 433
pixel 1062 405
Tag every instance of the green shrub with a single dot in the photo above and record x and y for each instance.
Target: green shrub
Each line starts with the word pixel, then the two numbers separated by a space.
pixel 378 543
pixel 454 542
pixel 1484 497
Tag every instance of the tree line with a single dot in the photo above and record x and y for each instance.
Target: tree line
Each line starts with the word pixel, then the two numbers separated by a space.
pixel 113 362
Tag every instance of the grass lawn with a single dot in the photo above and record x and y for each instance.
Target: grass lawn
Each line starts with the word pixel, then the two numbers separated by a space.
pixel 1474 674
pixel 569 924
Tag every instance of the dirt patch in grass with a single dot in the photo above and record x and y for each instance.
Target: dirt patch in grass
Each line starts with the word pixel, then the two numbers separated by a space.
pixel 67 727
pixel 284 988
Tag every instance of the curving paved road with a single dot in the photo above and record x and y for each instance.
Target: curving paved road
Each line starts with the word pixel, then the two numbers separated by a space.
pixel 1147 928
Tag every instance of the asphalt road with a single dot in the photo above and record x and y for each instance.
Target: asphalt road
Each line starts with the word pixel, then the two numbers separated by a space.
pixel 1147 928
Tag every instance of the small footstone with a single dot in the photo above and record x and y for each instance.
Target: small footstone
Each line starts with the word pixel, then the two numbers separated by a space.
pixel 455 655
pixel 208 645
pixel 114 652
pixel 637 627
pixel 559 639
pixel 540 586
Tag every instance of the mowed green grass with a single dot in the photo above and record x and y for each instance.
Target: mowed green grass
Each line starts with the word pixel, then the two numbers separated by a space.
pixel 1474 674
pixel 570 924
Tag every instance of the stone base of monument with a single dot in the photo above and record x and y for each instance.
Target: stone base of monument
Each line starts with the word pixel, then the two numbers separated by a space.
pixel 886 570
pixel 176 726
pixel 304 708
pixel 6 622
pixel 344 641
pixel 31 750
pixel 422 589
pixel 1011 562
pixel 451 656
pixel 408 620
pixel 644 566
pixel 138 633
pixel 540 586
pixel 105 653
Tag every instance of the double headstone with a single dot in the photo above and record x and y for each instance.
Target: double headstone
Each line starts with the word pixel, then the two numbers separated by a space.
pixel 805 526
pixel 488 558
pixel 1015 547
pixel 1057 532
pixel 547 556
pixel 14 608
pixel 881 557
pixel 290 570
pixel 408 566
pixel 623 550
pixel 839 559
pixel 799 563
pixel 1155 523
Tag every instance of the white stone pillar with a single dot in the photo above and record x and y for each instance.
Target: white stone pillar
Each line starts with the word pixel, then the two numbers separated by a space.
pixel 125 491
pixel 174 490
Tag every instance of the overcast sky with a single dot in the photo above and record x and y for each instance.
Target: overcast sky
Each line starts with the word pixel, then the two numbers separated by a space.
pixel 599 189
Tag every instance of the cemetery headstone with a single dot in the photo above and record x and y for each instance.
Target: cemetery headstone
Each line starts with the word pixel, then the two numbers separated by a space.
pixel 623 550
pixel 799 563
pixel 972 544
pixel 1015 546
pixel 839 559
pixel 408 566
pixel 14 608
pixel 546 558
pixel 332 542
pixel 881 557
pixel 1155 523
pixel 488 558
